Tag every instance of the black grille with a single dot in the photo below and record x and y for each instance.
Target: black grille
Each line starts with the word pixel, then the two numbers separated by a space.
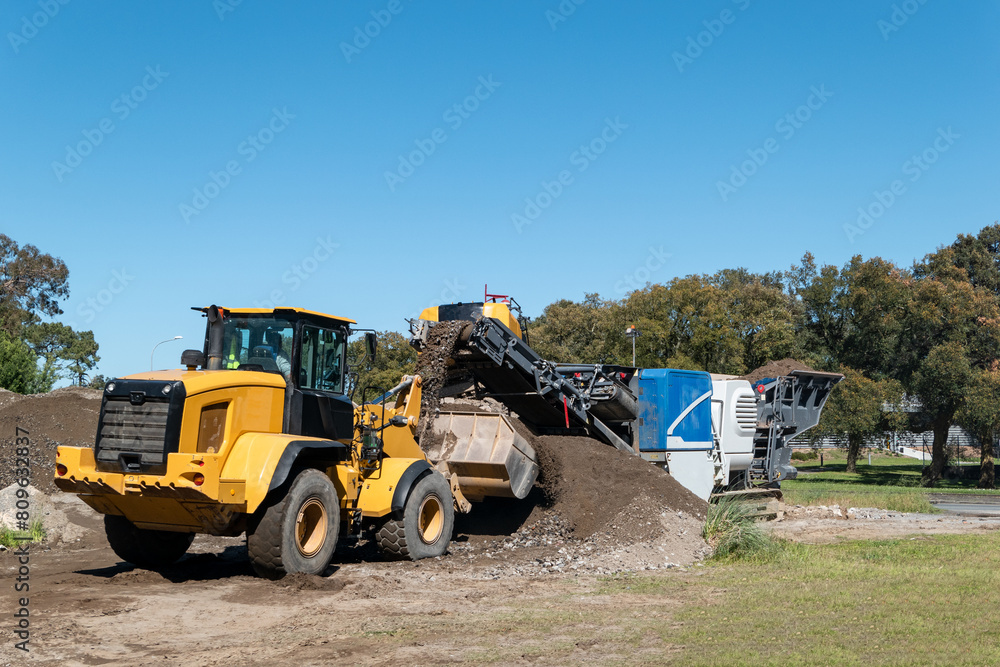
pixel 140 425
pixel 134 429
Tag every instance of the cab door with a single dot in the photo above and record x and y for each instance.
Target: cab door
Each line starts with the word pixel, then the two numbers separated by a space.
pixel 318 404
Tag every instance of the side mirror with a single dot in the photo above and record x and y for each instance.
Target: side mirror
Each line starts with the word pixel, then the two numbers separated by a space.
pixel 371 345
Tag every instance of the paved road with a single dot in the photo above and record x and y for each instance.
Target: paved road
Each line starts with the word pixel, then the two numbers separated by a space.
pixel 977 505
pixel 969 508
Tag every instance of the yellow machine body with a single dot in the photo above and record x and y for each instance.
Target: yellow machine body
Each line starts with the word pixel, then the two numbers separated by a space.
pixel 498 311
pixel 230 446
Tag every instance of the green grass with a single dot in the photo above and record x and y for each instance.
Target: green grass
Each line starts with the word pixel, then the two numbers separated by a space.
pixel 924 600
pixel 898 602
pixel 11 538
pixel 734 534
pixel 890 482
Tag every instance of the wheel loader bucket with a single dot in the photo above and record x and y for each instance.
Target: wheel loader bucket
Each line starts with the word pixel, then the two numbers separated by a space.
pixel 485 454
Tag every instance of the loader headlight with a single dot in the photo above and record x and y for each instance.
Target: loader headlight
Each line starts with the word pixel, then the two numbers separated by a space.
pixel 166 389
pixel 110 387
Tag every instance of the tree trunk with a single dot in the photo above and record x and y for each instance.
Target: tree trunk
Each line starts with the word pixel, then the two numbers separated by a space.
pixel 932 474
pixel 987 477
pixel 853 449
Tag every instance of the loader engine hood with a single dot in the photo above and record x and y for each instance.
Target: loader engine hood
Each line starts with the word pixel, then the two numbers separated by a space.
pixel 142 414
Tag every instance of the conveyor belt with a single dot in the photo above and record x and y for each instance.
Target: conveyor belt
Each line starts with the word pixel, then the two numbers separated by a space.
pixel 552 398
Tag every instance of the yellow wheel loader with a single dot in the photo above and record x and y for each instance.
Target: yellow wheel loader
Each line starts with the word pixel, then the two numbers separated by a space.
pixel 256 434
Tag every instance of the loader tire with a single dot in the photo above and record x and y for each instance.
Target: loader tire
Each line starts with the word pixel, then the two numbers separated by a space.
pixel 299 532
pixel 149 549
pixel 424 531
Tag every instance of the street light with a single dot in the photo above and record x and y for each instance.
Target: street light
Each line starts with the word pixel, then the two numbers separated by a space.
pixel 158 345
pixel 632 333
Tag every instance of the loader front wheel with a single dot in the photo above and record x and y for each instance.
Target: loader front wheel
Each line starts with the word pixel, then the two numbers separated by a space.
pixel 299 532
pixel 425 529
pixel 149 549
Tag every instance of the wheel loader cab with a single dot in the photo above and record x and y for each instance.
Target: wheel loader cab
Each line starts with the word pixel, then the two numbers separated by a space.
pixel 307 348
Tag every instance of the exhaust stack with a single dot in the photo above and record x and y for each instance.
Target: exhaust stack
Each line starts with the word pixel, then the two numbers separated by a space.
pixel 215 332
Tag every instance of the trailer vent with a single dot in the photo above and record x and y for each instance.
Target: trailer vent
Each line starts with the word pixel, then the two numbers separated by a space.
pixel 746 411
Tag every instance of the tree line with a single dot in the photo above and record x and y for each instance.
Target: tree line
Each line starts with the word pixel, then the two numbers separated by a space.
pixel 930 331
pixel 35 350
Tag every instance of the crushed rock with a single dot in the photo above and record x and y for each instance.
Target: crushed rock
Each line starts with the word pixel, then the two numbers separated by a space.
pixel 872 513
pixel 57 525
pixel 643 536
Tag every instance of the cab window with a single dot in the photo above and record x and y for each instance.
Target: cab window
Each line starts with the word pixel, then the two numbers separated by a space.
pixel 322 364
pixel 260 341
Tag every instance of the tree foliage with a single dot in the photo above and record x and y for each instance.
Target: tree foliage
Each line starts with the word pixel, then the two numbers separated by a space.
pixel 64 352
pixel 729 322
pixel 584 332
pixel 19 371
pixel 860 408
pixel 31 284
pixel 980 416
pixel 393 359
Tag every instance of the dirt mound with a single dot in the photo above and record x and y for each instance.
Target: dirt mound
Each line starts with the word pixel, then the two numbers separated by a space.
pixel 589 483
pixel 594 509
pixel 773 369
pixel 65 416
pixel 311 582
pixel 136 577
pixel 7 397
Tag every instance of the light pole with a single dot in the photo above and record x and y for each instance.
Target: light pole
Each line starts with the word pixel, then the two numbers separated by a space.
pixel 158 345
pixel 633 333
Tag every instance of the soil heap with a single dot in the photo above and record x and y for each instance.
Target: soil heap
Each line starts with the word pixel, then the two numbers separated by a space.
pixel 65 416
pixel 773 369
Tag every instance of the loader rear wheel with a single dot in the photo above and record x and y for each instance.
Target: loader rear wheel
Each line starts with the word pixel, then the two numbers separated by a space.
pixel 299 532
pixel 427 523
pixel 150 549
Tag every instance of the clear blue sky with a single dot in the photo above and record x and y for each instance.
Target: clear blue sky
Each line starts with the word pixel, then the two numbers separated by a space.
pixel 310 115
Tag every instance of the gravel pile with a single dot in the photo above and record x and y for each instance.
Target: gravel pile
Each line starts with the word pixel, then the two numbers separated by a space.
pixel 636 540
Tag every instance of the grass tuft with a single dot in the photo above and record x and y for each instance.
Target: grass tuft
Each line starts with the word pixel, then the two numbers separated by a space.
pixel 11 538
pixel 734 534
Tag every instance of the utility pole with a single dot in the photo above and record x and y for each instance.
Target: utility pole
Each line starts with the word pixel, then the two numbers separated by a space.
pixel 633 333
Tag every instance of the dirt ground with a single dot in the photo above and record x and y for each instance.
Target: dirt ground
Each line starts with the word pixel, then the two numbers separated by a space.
pixel 88 608
pixel 825 525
